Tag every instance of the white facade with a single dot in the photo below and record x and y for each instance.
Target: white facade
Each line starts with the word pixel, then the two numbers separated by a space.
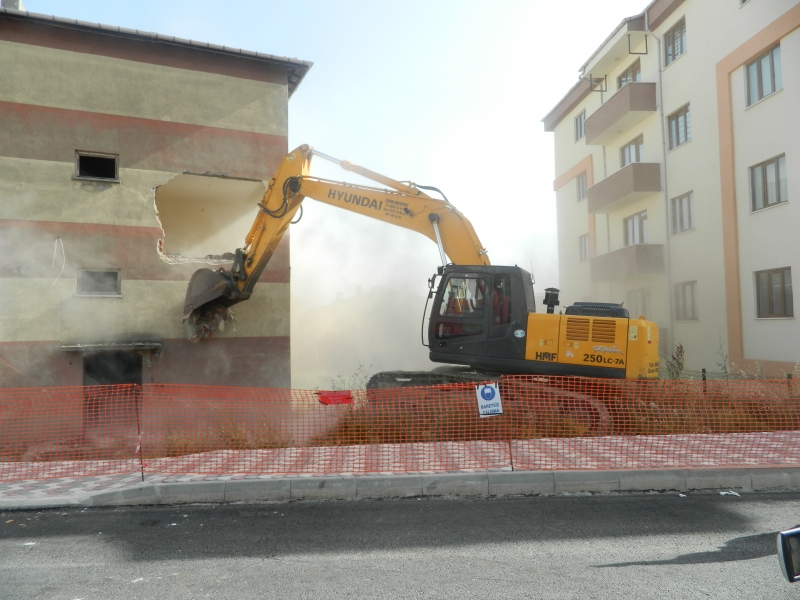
pixel 699 284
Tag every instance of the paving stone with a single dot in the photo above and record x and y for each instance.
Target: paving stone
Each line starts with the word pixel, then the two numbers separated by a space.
pixel 714 479
pixel 250 490
pixel 586 481
pixel 652 480
pixel 521 482
pixel 323 488
pixel 389 486
pixel 456 484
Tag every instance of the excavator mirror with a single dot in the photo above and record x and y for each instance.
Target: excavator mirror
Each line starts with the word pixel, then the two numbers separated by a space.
pixel 789 553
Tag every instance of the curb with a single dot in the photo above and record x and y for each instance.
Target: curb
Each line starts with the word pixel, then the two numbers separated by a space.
pixel 483 484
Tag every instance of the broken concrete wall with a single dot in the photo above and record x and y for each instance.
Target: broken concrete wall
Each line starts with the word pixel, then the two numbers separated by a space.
pixel 169 110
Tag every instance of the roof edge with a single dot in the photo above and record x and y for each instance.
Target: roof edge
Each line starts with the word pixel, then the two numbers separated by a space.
pixel 296 66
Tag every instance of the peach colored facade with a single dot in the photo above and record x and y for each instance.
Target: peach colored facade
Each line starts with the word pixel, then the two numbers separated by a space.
pixel 678 120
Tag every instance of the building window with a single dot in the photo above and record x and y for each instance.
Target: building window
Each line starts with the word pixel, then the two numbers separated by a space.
pixel 675 42
pixel 580 182
pixel 682 213
pixel 636 229
pixel 638 303
pixel 583 247
pixel 631 74
pixel 632 152
pixel 580 129
pixel 685 305
pixel 768 183
pixel 96 167
pixel 680 127
pixel 99 282
pixel 764 76
pixel 774 293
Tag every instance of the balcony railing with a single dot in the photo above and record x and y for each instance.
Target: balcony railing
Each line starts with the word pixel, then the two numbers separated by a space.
pixel 629 184
pixel 625 109
pixel 623 264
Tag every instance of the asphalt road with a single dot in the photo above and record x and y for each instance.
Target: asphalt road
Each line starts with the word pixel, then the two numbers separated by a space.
pixel 605 546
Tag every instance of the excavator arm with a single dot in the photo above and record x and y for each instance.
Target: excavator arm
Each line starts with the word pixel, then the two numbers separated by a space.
pixel 211 293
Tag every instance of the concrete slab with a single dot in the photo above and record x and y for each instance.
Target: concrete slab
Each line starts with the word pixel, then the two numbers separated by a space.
pixel 586 481
pixel 142 494
pixel 714 479
pixel 389 486
pixel 644 480
pixel 37 503
pixel 254 490
pixel 521 482
pixel 771 479
pixel 187 493
pixel 319 488
pixel 456 484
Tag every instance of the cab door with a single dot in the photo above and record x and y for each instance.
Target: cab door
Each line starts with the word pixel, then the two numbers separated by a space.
pixel 507 318
pixel 461 317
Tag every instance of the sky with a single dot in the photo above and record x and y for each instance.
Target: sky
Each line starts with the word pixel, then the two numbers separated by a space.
pixel 448 93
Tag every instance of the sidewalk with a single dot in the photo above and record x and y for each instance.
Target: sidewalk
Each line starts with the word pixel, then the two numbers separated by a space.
pixel 741 461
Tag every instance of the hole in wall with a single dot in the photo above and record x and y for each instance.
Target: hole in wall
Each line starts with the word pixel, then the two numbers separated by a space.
pixel 205 217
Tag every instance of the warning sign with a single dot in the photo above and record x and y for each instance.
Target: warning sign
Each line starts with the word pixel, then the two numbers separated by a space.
pixel 489 402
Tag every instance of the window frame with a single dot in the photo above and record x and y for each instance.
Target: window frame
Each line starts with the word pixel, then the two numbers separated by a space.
pixel 78 177
pixel 685 112
pixel 635 68
pixel 681 312
pixel 583 248
pixel 638 144
pixel 788 300
pixel 640 218
pixel 580 125
pixel 676 216
pixel 582 189
pixel 669 42
pixel 116 294
pixel 775 75
pixel 779 190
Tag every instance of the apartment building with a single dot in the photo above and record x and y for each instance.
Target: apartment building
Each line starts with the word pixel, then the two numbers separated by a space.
pixel 95 122
pixel 678 174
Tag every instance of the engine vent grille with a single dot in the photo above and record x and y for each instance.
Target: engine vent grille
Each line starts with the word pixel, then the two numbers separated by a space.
pixel 578 330
pixel 603 331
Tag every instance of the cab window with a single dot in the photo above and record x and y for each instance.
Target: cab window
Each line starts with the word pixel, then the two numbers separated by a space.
pixel 464 297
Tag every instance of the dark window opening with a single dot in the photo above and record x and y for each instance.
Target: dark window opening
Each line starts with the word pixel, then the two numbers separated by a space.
pixel 113 409
pixel 774 293
pixel 97 167
pixel 101 282
pixel 112 368
pixel 501 300
pixel 446 331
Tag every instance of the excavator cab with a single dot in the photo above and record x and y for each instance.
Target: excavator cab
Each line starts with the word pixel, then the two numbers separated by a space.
pixel 484 317
pixel 479 315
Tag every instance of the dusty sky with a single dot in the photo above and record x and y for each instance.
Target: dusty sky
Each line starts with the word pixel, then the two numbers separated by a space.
pixel 442 92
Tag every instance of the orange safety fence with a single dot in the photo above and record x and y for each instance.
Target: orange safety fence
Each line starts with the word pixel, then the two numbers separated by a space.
pixel 546 423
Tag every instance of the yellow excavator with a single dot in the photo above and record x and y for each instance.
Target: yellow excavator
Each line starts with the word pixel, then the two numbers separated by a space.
pixel 483 316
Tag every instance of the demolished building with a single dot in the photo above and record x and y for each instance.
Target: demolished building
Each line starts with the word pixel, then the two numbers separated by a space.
pixel 127 161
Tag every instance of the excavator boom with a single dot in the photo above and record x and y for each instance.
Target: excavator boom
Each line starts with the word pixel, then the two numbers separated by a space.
pixel 211 293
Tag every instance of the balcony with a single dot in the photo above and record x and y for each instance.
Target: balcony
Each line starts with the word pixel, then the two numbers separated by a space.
pixel 629 184
pixel 620 265
pixel 625 109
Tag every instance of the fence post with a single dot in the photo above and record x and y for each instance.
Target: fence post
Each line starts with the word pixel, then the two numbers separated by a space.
pixel 703 375
pixel 789 383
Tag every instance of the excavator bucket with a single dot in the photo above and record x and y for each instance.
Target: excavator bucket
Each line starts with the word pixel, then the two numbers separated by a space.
pixel 208 298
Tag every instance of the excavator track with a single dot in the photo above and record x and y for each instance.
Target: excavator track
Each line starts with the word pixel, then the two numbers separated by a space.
pixel 535 397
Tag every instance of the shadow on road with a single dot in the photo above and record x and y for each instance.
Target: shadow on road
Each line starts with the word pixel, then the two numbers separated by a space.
pixel 285 529
pixel 741 548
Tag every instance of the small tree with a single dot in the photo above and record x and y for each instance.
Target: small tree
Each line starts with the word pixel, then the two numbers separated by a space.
pixel 675 364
